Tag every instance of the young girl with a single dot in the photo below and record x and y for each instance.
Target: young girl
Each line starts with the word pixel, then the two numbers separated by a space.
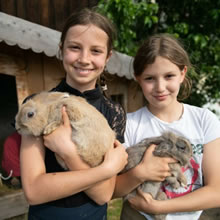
pixel 160 67
pixel 82 193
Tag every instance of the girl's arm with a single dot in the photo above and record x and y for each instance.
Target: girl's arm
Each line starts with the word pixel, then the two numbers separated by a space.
pixel 151 168
pixel 204 198
pixel 101 192
pixel 60 142
pixel 40 187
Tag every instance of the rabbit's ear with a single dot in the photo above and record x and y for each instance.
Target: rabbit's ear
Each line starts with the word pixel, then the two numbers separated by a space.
pixel 55 96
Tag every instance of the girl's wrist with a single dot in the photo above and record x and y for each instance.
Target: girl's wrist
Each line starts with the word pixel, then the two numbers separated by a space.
pixel 108 169
pixel 74 161
pixel 138 170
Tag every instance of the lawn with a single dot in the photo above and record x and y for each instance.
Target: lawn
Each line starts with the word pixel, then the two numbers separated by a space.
pixel 114 209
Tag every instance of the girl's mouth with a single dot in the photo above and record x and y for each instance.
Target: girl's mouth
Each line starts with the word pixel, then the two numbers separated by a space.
pixel 83 71
pixel 160 97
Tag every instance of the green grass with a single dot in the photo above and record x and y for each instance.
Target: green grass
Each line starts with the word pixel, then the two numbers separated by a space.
pixel 114 209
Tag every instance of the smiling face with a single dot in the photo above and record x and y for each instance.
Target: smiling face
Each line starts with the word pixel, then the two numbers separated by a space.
pixel 160 83
pixel 85 54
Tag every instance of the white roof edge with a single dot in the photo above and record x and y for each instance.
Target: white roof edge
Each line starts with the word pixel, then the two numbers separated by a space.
pixel 40 39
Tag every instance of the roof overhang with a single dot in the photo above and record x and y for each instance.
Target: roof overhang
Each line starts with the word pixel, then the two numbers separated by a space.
pixel 40 39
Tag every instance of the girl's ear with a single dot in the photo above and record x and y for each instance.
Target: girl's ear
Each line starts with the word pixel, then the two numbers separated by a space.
pixel 109 56
pixel 137 78
pixel 60 51
pixel 183 73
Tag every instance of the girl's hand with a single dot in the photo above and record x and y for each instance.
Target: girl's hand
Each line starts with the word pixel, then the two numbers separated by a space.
pixel 59 141
pixel 143 202
pixel 116 158
pixel 153 168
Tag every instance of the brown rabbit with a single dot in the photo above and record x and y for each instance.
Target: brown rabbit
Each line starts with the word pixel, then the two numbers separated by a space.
pixel 91 132
pixel 168 145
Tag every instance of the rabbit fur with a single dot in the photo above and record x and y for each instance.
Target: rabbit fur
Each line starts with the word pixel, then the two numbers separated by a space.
pixel 168 145
pixel 91 132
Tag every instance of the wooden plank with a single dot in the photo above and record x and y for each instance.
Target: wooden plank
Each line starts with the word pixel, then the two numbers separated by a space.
pixel 13 205
pixel 8 6
pixel 45 13
pixel 33 11
pixel 61 11
pixel 53 72
pixel 21 9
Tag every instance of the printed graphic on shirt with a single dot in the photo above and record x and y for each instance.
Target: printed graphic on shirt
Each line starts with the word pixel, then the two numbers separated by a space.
pixel 192 174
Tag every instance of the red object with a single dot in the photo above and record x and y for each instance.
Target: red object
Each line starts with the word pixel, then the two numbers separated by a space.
pixel 11 153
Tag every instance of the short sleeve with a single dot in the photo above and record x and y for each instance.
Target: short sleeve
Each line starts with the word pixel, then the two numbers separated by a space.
pixel 211 126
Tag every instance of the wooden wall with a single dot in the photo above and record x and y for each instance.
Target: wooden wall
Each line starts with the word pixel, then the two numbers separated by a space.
pixel 49 13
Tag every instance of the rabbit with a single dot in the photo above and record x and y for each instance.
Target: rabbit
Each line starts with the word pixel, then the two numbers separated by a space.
pixel 91 133
pixel 168 145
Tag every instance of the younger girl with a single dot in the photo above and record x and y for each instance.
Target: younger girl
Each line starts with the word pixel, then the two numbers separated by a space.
pixel 160 67
pixel 86 45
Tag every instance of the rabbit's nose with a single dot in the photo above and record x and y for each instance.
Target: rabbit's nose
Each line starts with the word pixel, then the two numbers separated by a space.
pixel 30 114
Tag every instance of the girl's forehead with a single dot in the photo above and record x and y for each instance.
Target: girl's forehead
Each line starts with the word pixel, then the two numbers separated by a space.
pixel 160 65
pixel 89 32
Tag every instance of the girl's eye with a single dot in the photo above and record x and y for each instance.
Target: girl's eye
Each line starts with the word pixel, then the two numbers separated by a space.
pixel 74 47
pixel 95 51
pixel 169 76
pixel 148 78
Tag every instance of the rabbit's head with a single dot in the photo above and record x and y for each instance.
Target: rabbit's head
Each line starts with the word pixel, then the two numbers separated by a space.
pixel 31 118
pixel 175 146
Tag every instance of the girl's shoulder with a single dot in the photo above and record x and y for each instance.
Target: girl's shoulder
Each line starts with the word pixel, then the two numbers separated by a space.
pixel 204 120
pixel 200 113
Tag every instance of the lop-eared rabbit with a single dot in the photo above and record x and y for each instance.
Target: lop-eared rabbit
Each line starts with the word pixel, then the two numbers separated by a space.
pixel 42 114
pixel 168 145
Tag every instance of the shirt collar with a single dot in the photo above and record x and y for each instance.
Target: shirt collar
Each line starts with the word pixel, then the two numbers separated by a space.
pixel 89 94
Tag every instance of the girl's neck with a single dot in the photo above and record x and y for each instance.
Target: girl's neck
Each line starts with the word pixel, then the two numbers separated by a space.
pixel 169 114
pixel 80 87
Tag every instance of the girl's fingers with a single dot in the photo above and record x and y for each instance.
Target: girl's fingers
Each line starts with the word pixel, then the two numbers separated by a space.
pixel 116 143
pixel 66 120
pixel 151 148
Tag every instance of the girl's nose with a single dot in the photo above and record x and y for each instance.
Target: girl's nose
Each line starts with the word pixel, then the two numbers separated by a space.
pixel 160 86
pixel 84 57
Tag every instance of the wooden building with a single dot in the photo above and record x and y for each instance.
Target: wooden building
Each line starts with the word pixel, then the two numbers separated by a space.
pixel 48 13
pixel 29 63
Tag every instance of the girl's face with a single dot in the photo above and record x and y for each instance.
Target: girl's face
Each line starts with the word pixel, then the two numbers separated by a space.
pixel 160 83
pixel 84 55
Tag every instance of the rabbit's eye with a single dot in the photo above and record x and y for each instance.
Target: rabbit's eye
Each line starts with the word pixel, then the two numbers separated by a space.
pixel 182 148
pixel 30 114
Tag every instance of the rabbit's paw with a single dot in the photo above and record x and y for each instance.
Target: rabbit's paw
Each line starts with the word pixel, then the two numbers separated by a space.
pixel 183 181
pixel 173 182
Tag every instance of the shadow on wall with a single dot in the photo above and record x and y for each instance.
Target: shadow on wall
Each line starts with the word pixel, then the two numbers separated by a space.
pixel 9 107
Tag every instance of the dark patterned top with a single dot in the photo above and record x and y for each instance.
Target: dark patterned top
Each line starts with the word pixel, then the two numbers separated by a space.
pixel 116 118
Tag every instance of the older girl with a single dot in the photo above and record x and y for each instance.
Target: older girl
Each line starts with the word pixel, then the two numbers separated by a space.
pixel 82 193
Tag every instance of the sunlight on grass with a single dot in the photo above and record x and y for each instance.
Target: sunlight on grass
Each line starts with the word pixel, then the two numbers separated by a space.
pixel 114 209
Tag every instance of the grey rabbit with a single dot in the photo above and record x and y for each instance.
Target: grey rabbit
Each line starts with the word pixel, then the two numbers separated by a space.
pixel 91 133
pixel 168 145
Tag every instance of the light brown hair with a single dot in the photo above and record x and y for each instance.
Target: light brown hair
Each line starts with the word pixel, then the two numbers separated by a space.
pixel 166 46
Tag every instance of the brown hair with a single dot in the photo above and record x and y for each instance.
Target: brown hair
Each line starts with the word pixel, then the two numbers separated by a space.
pixel 167 46
pixel 85 17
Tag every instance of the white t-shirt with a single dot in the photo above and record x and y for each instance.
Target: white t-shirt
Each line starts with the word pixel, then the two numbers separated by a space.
pixel 198 125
